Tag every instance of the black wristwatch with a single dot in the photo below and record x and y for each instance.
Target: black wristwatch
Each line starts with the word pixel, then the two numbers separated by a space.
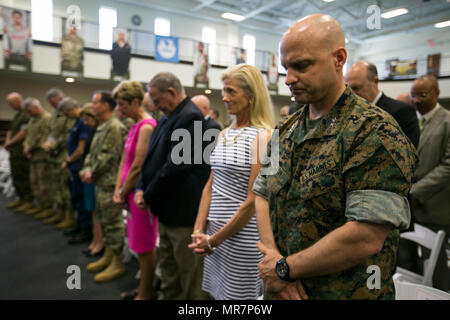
pixel 282 270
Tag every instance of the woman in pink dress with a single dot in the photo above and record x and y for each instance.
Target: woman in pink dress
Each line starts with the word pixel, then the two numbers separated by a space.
pixel 142 225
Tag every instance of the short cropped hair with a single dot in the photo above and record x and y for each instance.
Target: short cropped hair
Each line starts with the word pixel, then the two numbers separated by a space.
pixel 17 12
pixel 165 80
pixel 68 104
pixel 54 93
pixel 107 97
pixel 372 71
pixel 29 102
pixel 128 91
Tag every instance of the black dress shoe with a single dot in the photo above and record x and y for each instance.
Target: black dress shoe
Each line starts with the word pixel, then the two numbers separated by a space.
pixel 89 254
pixel 72 231
pixel 81 237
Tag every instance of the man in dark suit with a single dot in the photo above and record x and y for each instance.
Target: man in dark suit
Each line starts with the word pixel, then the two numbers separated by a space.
pixel 171 182
pixel 362 77
pixel 431 191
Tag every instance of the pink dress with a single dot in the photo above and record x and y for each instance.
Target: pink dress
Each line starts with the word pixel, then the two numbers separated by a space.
pixel 142 225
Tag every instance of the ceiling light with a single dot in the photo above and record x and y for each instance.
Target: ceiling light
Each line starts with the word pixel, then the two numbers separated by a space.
pixel 207 91
pixel 328 0
pixel 70 80
pixel 346 40
pixel 394 13
pixel 232 16
pixel 442 24
pixel 292 99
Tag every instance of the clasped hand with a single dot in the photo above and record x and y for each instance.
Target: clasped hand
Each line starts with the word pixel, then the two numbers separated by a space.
pixel 272 283
pixel 199 244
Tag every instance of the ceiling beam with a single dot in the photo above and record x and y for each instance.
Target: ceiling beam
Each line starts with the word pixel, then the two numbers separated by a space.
pixel 263 8
pixel 203 4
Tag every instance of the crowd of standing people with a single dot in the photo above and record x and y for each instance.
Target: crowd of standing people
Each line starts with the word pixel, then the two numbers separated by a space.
pixel 346 172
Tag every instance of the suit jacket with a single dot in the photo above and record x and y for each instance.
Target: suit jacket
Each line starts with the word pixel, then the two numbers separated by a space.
pixel 404 114
pixel 432 188
pixel 212 124
pixel 173 190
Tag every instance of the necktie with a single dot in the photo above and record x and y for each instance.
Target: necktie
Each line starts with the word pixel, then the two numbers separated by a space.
pixel 421 124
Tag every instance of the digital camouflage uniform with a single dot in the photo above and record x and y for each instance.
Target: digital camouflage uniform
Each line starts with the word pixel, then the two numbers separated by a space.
pixel 354 165
pixel 103 161
pixel 37 131
pixel 20 165
pixel 59 129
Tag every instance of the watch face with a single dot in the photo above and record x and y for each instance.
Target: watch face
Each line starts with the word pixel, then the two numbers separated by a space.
pixel 282 268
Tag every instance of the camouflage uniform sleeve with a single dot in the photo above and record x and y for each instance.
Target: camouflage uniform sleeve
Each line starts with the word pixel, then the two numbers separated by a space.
pixel 110 153
pixel 28 137
pixel 260 187
pixel 378 174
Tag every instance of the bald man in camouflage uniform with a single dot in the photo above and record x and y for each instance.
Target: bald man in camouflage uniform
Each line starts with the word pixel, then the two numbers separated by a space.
pixel 329 216
pixel 20 165
pixel 55 146
pixel 101 167
pixel 37 130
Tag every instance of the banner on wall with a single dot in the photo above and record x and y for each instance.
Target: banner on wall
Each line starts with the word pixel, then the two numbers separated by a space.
pixel 241 55
pixel 120 56
pixel 434 64
pixel 272 73
pixel 17 41
pixel 72 53
pixel 201 66
pixel 166 49
pixel 403 68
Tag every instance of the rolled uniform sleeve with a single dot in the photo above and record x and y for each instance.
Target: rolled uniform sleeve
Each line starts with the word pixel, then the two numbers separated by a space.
pixel 260 187
pixel 378 206
pixel 378 175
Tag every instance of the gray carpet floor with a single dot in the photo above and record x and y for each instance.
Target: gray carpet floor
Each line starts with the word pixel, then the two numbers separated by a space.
pixel 34 259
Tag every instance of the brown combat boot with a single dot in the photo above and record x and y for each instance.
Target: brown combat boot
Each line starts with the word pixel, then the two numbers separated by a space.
pixel 33 210
pixel 14 204
pixel 102 263
pixel 57 217
pixel 44 214
pixel 113 271
pixel 68 222
pixel 24 207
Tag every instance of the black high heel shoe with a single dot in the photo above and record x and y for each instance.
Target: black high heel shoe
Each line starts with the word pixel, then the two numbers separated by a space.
pixel 89 254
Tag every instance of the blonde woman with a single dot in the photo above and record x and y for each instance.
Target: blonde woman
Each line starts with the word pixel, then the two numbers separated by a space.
pixel 225 231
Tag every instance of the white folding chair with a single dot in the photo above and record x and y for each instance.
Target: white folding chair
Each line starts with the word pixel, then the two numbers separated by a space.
pixel 428 239
pixel 412 291
pixel 6 182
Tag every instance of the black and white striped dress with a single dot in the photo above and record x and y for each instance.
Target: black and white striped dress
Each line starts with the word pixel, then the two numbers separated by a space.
pixel 231 272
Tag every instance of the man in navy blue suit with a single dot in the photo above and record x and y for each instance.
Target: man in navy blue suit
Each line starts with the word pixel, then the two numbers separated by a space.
pixel 171 182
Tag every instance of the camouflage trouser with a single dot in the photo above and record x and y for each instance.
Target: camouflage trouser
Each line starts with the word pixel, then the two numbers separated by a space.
pixel 59 186
pixel 20 172
pixel 110 218
pixel 39 180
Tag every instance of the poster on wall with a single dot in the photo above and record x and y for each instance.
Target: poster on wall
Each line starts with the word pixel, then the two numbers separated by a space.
pixel 201 66
pixel 402 68
pixel 241 55
pixel 434 64
pixel 166 49
pixel 120 56
pixel 17 41
pixel 272 73
pixel 72 55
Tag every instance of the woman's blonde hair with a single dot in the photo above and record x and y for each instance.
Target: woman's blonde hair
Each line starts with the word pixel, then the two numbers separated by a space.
pixel 252 82
pixel 88 111
pixel 128 91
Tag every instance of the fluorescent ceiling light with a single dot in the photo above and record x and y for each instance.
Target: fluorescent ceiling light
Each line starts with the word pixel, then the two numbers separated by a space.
pixel 70 80
pixel 232 16
pixel 328 0
pixel 394 13
pixel 442 24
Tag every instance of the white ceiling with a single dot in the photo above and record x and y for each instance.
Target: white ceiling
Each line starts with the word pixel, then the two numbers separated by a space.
pixel 275 16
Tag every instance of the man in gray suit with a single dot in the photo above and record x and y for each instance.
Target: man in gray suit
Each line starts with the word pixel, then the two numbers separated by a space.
pixel 431 192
